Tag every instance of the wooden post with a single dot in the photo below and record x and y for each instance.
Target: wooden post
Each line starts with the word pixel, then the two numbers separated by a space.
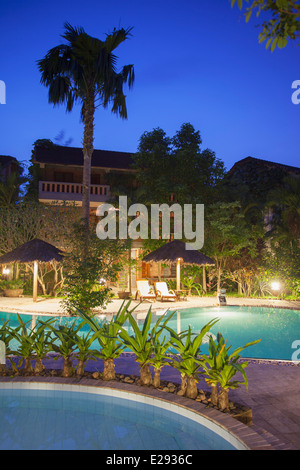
pixel 35 273
pixel 204 280
pixel 178 274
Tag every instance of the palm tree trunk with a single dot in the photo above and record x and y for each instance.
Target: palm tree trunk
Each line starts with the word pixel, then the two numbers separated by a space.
pixel 191 389
pixel 88 148
pixel 68 367
pixel 214 395
pixel 28 366
pixel 39 366
pixel 109 370
pixel 223 401
pixel 145 375
pixel 183 383
pixel 80 367
pixel 156 378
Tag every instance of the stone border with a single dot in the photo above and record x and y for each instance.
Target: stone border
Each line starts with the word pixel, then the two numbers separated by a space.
pixel 248 436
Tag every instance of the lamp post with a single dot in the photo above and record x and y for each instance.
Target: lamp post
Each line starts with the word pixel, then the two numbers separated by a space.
pixel 35 273
pixel 178 274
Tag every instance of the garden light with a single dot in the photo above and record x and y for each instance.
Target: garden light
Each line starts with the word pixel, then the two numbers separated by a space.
pixel 275 286
pixel 5 271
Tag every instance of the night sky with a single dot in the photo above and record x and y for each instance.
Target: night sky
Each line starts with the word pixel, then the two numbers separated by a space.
pixel 195 61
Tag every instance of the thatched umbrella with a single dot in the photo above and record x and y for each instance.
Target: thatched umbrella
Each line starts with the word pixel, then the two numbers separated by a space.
pixel 176 251
pixel 36 251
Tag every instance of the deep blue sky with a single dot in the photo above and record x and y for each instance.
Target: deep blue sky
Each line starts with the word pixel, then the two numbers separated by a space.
pixel 195 61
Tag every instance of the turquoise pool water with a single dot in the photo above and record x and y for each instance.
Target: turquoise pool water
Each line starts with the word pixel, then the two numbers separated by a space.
pixel 277 328
pixel 62 420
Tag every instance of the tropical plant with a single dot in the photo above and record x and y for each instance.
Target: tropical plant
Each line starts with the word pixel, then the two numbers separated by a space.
pixel 161 347
pixel 10 188
pixel 90 260
pixel 42 343
pixel 188 280
pixel 6 335
pixel 65 345
pixel 84 352
pixel 107 336
pixel 25 348
pixel 187 360
pixel 219 368
pixel 139 343
pixel 84 70
pixel 11 284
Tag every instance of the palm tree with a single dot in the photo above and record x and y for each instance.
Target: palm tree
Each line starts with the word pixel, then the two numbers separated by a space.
pixel 84 70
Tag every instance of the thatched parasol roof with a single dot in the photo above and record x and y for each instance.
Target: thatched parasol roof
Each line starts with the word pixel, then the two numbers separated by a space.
pixel 35 250
pixel 172 251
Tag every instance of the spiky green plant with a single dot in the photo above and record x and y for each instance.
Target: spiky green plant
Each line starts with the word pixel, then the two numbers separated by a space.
pixel 140 344
pixel 41 343
pixel 187 361
pixel 6 335
pixel 84 351
pixel 65 345
pixel 161 347
pixel 220 367
pixel 107 336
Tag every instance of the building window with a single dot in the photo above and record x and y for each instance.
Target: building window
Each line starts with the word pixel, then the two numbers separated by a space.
pixel 63 177
pixel 95 179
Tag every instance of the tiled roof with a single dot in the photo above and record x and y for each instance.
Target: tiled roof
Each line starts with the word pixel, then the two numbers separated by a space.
pixel 258 163
pixel 6 160
pixel 74 156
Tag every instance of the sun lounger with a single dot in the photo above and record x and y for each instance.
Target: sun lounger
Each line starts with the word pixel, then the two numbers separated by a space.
pixel 163 292
pixel 144 291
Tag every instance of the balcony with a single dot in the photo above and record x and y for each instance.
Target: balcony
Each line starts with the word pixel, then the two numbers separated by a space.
pixel 53 191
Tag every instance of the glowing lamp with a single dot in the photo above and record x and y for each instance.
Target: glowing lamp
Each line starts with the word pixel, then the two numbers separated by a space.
pixel 6 271
pixel 275 286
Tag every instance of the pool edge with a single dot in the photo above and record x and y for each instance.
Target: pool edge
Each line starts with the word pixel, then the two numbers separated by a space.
pixel 246 435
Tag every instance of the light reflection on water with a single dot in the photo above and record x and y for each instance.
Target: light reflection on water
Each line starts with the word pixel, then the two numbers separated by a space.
pixel 277 328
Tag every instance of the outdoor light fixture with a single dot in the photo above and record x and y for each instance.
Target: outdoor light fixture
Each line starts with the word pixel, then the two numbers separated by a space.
pixel 5 271
pixel 275 285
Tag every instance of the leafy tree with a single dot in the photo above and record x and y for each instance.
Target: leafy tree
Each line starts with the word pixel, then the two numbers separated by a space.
pixel 281 23
pixel 84 70
pixel 284 203
pixel 153 165
pixel 196 173
pixel 227 235
pixel 11 187
pixel 89 261
pixel 33 176
pixel 177 166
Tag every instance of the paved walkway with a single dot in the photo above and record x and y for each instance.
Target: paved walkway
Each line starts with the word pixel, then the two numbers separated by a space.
pixel 53 306
pixel 274 387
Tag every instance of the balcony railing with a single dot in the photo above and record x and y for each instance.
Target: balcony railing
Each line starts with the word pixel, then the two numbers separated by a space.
pixel 59 191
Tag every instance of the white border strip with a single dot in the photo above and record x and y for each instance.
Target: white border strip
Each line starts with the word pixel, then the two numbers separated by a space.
pixel 152 401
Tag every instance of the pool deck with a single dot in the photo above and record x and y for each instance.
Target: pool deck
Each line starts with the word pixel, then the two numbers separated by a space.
pixel 274 386
pixel 53 306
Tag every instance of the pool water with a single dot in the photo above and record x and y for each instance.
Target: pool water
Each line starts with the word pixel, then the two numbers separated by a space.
pixel 277 328
pixel 34 419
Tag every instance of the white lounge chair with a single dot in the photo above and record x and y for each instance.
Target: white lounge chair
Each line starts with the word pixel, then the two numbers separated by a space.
pixel 163 291
pixel 144 291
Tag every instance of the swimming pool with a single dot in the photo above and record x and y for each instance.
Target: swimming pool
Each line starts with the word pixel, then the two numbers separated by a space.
pixel 277 328
pixel 41 416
